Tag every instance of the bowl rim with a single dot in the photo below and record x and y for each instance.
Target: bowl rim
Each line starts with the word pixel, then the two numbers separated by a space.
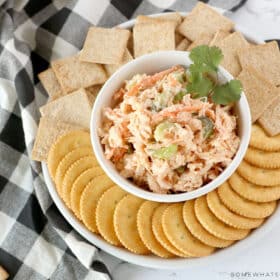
pixel 132 188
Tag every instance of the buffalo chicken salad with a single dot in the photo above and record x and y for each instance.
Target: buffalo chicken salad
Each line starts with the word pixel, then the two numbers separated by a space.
pixel 168 132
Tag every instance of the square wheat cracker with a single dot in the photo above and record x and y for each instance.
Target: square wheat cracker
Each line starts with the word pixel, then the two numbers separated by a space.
pixel 48 131
pixel 265 59
pixel 183 45
pixel 218 37
pixel 204 39
pixel 176 17
pixel 130 46
pixel 112 68
pixel 104 45
pixel 203 20
pixel 179 38
pixel 270 119
pixel 50 83
pixel 153 36
pixel 73 74
pixel 93 92
pixel 260 93
pixel 74 108
pixel 230 45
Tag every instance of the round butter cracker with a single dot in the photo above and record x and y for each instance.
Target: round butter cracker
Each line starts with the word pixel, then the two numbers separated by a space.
pixel 198 230
pixel 212 224
pixel 179 235
pixel 253 192
pixel 227 216
pixel 67 161
pixel 105 213
pixel 144 225
pixel 79 185
pixel 125 224
pixel 262 159
pixel 89 200
pixel 65 144
pixel 259 176
pixel 159 233
pixel 74 171
pixel 242 206
pixel 261 141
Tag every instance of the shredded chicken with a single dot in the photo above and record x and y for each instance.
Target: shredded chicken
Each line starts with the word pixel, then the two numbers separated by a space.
pixel 157 137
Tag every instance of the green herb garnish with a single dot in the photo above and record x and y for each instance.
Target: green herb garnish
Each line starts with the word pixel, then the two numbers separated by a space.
pixel 203 72
pixel 166 152
pixel 227 93
pixel 199 85
pixel 207 58
pixel 179 96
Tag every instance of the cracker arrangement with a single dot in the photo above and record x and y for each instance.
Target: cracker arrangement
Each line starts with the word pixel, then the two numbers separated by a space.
pixel 193 228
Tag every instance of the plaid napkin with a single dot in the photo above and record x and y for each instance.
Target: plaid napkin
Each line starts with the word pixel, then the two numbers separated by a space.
pixel 35 240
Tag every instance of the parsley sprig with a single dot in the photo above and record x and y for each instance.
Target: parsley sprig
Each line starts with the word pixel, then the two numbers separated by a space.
pixel 203 77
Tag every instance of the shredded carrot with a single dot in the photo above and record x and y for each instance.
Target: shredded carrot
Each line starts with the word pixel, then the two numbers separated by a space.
pixel 133 91
pixel 210 114
pixel 119 94
pixel 166 113
pixel 118 153
pixel 151 80
pixel 125 131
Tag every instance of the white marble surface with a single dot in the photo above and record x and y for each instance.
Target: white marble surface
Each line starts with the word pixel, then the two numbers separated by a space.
pixel 262 16
pixel 261 260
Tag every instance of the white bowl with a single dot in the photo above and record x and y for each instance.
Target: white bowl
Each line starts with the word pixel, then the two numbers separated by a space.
pixel 150 64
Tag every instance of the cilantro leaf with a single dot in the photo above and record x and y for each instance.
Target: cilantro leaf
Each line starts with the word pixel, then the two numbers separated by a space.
pixel 179 96
pixel 207 57
pixel 227 93
pixel 205 67
pixel 201 68
pixel 199 85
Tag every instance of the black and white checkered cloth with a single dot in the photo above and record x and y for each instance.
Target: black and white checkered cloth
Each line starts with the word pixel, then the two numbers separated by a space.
pixel 35 240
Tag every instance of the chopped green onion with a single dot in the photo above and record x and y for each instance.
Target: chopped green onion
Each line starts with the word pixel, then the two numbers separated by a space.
pixel 160 130
pixel 165 152
pixel 208 126
pixel 181 169
pixel 161 101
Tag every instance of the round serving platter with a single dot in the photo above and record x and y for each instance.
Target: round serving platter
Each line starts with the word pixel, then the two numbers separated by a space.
pixel 150 260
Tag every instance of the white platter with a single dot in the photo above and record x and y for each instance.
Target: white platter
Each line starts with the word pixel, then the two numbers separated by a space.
pixel 153 261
